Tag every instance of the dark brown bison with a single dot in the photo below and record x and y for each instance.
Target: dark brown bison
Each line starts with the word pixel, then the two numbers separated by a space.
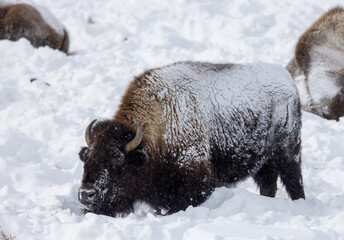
pixel 183 129
pixel 318 66
pixel 36 24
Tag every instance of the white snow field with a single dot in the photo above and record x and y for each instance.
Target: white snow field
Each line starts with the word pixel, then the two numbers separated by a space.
pixel 47 99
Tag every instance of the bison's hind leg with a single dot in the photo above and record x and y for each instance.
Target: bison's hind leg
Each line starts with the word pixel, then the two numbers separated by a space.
pixel 266 179
pixel 288 163
pixel 290 173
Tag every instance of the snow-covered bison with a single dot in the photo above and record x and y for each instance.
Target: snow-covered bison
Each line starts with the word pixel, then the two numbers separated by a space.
pixel 34 23
pixel 183 129
pixel 318 66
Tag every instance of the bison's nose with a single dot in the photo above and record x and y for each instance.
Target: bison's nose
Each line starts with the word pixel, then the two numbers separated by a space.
pixel 87 196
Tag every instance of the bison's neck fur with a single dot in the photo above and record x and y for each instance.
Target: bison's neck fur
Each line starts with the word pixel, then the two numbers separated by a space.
pixel 147 114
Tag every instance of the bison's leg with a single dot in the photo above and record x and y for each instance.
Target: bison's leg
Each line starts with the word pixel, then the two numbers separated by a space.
pixel 266 179
pixel 290 173
pixel 288 163
pixel 287 154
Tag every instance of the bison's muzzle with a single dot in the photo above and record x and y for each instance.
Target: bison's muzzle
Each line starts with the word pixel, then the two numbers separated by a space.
pixel 88 196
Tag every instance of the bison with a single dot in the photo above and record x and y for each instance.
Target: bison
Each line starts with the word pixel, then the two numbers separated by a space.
pixel 318 66
pixel 34 23
pixel 186 128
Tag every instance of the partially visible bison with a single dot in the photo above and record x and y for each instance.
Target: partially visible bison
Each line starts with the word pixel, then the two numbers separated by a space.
pixel 318 66
pixel 36 24
pixel 186 128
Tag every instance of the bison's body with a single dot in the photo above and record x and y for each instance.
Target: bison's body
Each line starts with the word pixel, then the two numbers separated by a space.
pixel 204 125
pixel 36 24
pixel 318 66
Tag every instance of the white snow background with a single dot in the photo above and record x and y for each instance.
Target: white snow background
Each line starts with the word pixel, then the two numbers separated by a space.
pixel 47 99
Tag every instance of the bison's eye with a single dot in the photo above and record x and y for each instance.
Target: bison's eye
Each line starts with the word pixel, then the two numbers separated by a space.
pixel 117 161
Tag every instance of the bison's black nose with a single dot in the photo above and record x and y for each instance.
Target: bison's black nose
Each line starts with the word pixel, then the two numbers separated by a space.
pixel 87 196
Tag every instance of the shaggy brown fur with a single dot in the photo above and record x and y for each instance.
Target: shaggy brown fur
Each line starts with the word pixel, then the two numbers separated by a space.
pixel 149 116
pixel 328 32
pixel 24 21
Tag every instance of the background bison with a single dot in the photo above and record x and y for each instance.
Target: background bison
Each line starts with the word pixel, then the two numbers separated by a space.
pixel 318 66
pixel 186 128
pixel 34 23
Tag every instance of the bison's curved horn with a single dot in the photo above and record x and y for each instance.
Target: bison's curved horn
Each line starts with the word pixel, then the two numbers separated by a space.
pixel 88 134
pixel 136 140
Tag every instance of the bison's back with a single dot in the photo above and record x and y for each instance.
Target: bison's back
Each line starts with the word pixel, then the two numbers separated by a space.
pixel 227 108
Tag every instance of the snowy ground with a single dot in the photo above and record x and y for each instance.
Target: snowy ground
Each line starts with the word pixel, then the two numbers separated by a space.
pixel 47 99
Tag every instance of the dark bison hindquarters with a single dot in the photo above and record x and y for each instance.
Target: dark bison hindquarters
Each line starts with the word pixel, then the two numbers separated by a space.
pixel 183 129
pixel 34 23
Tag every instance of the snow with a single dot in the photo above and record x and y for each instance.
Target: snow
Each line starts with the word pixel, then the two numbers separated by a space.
pixel 47 99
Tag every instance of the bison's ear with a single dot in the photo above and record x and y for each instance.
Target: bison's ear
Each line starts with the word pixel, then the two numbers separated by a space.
pixel 138 157
pixel 82 154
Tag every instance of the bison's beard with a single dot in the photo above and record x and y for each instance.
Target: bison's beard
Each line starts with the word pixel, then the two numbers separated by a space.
pixel 116 208
pixel 91 208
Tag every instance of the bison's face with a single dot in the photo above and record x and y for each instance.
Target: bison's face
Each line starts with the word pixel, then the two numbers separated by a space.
pixel 111 164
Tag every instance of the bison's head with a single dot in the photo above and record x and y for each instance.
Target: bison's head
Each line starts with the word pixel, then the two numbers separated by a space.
pixel 112 163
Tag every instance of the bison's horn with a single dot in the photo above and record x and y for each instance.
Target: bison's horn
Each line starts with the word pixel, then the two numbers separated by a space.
pixel 136 140
pixel 88 134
